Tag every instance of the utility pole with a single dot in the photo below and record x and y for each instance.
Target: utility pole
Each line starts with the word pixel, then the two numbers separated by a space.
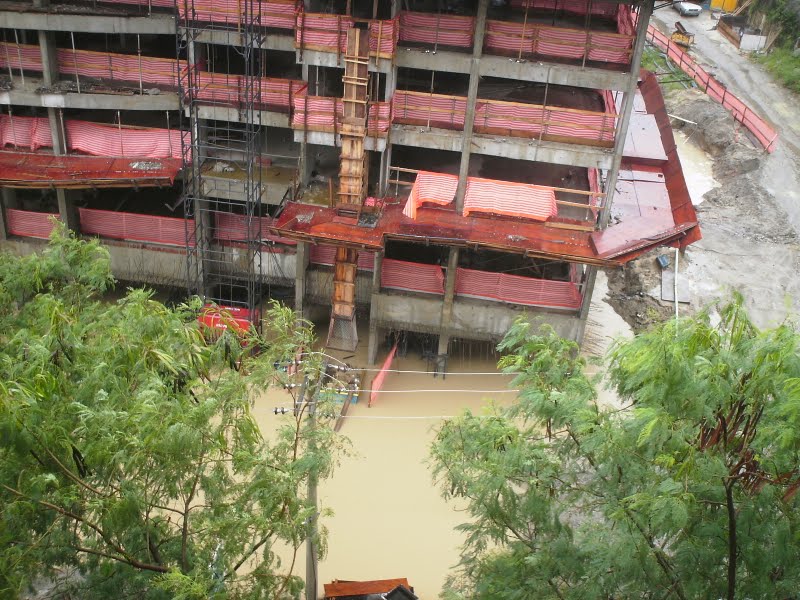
pixel 312 557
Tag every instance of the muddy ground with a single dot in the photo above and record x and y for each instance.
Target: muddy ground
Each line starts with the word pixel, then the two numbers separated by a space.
pixel 749 220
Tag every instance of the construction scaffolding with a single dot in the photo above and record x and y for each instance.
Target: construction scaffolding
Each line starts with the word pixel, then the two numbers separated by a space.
pixel 223 222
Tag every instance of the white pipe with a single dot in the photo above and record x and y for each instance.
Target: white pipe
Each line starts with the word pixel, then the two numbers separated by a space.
pixel 675 282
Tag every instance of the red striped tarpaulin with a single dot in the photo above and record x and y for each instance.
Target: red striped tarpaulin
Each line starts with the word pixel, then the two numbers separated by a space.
pixel 95 139
pixel 316 113
pixel 136 227
pixel 279 14
pixel 377 383
pixel 326 32
pixel 324 254
pixel 25 57
pixel 763 132
pixel 575 7
pixel 411 276
pixel 535 120
pixel 27 223
pixel 507 198
pixel 436 29
pixel 436 188
pixel 232 227
pixel 433 110
pixel 564 42
pixel 228 89
pixel 516 289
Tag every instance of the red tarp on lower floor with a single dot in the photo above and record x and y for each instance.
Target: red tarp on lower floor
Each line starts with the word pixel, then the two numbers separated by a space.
pixel 26 170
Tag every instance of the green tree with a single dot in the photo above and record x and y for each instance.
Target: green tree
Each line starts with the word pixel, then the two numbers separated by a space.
pixel 129 456
pixel 688 490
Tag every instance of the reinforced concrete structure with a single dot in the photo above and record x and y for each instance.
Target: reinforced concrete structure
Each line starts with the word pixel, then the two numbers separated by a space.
pixel 426 166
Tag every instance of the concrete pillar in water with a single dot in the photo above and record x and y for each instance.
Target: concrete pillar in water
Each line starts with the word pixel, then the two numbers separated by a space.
pixel 447 303
pixel 374 331
pixel 301 260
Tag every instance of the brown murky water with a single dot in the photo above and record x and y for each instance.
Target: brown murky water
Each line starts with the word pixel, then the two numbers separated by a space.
pixel 389 518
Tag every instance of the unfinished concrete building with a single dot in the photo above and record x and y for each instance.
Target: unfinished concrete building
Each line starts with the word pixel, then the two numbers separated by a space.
pixel 428 166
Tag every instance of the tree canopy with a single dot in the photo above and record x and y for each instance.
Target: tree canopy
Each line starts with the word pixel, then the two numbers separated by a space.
pixel 129 456
pixel 688 490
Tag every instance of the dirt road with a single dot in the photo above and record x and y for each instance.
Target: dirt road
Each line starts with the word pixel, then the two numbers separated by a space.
pixel 750 221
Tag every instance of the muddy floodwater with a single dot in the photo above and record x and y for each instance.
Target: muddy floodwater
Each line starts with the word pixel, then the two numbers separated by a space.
pixel 389 518
pixel 696 165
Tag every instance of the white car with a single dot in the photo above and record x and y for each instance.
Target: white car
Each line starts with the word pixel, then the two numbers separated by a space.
pixel 687 9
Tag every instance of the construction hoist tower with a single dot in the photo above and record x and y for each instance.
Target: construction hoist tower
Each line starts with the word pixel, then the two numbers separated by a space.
pixel 342 333
pixel 229 275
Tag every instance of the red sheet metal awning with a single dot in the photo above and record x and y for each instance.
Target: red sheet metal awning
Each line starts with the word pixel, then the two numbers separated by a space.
pixel 27 170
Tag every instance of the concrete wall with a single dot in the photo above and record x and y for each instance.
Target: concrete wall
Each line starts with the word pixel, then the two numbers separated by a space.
pixel 148 264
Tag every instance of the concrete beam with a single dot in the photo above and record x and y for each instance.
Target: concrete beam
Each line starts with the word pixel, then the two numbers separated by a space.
pixel 234 115
pixel 331 59
pixel 88 23
pixel 516 148
pixel 273 41
pixel 28 96
pixel 321 138
pixel 510 68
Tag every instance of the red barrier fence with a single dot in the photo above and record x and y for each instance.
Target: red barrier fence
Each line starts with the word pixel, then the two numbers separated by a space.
pixel 434 188
pixel 575 7
pixel 761 130
pixel 169 231
pixel 271 94
pixel 498 117
pixel 279 14
pixel 377 383
pixel 317 114
pixel 517 290
pixel 411 276
pixel 27 223
pixel 436 29
pixel 231 227
pixel 323 254
pixel 535 39
pixel 95 139
pixel 328 33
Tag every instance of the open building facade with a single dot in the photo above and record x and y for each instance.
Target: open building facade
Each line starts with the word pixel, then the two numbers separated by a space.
pixel 426 166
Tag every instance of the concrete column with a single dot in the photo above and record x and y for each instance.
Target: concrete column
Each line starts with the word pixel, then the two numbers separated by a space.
pixel 8 199
pixel 47 47
pixel 588 289
pixel 386 163
pixel 374 331
pixel 447 303
pixel 472 96
pixel 627 107
pixel 301 260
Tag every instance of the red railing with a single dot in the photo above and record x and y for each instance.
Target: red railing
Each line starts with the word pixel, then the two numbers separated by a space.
pixel 272 93
pixel 412 277
pixel 27 223
pixel 575 7
pixel 317 114
pixel 499 117
pixel 328 33
pixel 517 290
pixel 761 130
pixel 136 227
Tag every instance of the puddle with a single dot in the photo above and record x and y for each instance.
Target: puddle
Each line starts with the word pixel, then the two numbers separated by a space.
pixel 696 165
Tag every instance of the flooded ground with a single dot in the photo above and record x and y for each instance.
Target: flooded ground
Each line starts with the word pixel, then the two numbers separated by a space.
pixel 697 166
pixel 390 519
